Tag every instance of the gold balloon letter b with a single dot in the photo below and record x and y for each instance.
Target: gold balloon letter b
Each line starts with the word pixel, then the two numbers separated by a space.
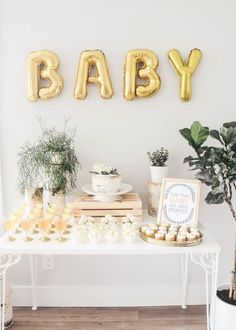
pixel 96 59
pixel 149 63
pixel 36 72
pixel 185 71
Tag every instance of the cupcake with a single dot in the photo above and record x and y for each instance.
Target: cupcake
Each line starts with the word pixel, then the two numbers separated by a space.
pixel 181 238
pixel 160 236
pixel 183 229
pixel 143 229
pixel 173 231
pixel 190 237
pixel 163 231
pixel 173 227
pixel 153 226
pixel 149 232
pixel 196 233
pixel 164 226
pixel 170 237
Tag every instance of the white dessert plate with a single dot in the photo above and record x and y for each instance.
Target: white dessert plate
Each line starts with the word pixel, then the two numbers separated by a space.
pixel 108 197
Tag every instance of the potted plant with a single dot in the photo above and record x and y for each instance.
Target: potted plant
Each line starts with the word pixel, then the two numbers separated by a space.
pixel 216 167
pixel 51 161
pixel 158 159
pixel 105 179
pixel 29 175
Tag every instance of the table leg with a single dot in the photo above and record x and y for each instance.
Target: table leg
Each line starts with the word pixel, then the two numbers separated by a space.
pixel 7 260
pixel 209 262
pixel 33 268
pixel 213 291
pixel 184 262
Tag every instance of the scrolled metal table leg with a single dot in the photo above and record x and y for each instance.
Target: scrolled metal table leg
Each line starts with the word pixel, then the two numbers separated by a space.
pixel 7 260
pixel 209 262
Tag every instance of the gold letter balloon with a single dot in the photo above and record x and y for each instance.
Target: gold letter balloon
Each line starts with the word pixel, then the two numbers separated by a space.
pixel 43 65
pixel 140 63
pixel 185 70
pixel 93 59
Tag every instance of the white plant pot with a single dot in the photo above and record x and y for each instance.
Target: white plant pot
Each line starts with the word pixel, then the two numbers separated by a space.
pixel 33 196
pixel 225 314
pixel 58 200
pixel 106 183
pixel 158 173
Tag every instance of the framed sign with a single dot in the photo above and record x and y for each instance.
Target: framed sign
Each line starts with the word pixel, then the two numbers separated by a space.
pixel 179 202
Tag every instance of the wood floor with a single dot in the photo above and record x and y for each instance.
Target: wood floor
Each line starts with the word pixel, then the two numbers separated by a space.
pixel 141 318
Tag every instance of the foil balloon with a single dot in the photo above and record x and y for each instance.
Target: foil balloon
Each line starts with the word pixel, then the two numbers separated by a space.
pixel 43 65
pixel 185 70
pixel 140 64
pixel 93 59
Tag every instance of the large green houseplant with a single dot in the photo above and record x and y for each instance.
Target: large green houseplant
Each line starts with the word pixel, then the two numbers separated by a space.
pixel 50 163
pixel 216 167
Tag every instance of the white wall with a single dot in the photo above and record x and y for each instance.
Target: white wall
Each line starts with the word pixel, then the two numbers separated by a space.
pixel 117 131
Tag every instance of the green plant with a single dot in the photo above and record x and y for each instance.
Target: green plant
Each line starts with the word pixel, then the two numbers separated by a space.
pixel 158 157
pixel 51 162
pixel 216 167
pixel 102 169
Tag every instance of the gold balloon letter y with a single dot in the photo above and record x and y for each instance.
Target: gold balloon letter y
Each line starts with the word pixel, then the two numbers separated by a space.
pixel 185 71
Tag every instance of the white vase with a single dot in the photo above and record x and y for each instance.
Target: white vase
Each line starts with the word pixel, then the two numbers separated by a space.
pixel 58 200
pixel 158 173
pixel 33 196
pixel 225 314
pixel 106 183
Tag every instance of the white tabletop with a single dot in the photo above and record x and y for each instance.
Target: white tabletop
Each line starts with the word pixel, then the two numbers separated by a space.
pixel 71 247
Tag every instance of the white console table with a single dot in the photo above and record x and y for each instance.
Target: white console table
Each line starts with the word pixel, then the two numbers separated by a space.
pixel 205 255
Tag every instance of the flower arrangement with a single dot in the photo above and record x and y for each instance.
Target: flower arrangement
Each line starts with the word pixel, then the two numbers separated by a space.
pixel 102 169
pixel 158 157
pixel 50 163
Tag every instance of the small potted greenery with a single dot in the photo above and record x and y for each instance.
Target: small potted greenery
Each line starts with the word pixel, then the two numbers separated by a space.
pixel 50 163
pixel 105 179
pixel 216 167
pixel 159 169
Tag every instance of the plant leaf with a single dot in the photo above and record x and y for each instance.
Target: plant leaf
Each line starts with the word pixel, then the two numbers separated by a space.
pixel 215 135
pixel 188 159
pixel 199 133
pixel 230 124
pixel 214 199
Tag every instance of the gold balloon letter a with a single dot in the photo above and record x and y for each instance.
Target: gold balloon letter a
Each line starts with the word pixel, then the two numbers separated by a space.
pixel 185 71
pixel 149 62
pixel 89 59
pixel 50 63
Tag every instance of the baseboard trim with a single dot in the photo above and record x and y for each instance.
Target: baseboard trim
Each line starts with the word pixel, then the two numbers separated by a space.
pixel 108 296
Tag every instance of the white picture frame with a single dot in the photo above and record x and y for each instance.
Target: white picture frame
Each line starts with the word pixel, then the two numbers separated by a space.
pixel 179 202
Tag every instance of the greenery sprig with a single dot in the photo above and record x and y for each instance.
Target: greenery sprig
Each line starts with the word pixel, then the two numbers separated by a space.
pixel 158 157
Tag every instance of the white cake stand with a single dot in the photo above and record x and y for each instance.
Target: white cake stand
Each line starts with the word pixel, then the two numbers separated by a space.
pixel 107 197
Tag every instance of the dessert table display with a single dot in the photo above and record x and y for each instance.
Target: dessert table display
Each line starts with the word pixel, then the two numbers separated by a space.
pixel 63 234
